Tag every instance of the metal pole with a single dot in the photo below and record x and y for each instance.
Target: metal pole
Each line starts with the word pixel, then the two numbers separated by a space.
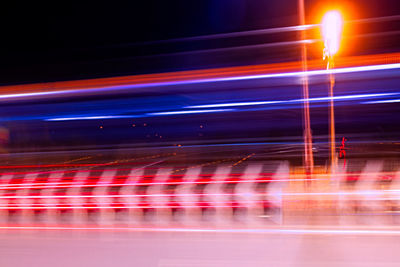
pixel 332 133
pixel 308 153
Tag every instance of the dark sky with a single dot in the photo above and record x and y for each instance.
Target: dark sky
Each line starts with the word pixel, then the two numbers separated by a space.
pixel 71 41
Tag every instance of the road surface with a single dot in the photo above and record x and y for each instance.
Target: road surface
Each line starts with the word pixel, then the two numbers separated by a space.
pixel 182 249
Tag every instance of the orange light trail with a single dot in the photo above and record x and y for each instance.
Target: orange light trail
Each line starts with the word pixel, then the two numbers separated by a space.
pixel 316 64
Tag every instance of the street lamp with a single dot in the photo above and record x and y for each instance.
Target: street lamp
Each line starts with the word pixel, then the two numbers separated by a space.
pixel 332 24
pixel 331 27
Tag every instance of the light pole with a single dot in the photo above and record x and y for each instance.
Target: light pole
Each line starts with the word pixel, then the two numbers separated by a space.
pixel 332 24
pixel 308 153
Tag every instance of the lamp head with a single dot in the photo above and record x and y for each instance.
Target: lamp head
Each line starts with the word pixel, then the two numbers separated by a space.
pixel 332 25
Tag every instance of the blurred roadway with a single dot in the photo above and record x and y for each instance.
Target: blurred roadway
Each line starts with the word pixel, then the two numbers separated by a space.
pixel 184 249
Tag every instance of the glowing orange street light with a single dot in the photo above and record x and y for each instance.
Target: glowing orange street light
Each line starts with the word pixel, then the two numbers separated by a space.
pixel 331 27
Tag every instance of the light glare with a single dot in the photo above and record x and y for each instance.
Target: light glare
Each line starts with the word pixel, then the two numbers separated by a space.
pixel 332 24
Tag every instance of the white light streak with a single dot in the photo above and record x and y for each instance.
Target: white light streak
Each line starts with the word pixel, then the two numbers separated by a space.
pixel 315 99
pixel 209 80
pixel 382 101
pixel 104 117
pixel 229 231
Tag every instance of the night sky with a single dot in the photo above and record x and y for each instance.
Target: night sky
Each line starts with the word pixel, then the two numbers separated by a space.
pixel 73 41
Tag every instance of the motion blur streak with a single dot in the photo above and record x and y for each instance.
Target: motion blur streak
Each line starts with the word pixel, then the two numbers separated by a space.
pixel 270 31
pixel 188 112
pixel 226 79
pixel 103 117
pixel 382 101
pixel 227 231
pixel 238 104
pixel 315 99
pixel 241 34
pixel 297 178
pixel 104 85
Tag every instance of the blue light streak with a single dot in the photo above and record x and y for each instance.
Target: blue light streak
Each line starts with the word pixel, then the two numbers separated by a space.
pixel 166 113
pixel 382 101
pixel 218 107
pixel 105 117
pixel 315 99
pixel 187 112
pixel 238 104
